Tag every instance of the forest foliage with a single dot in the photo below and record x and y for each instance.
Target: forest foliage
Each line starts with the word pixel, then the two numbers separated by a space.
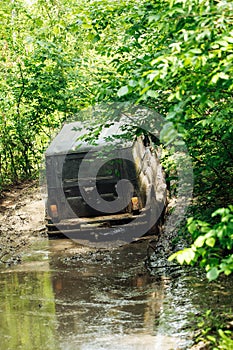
pixel 59 57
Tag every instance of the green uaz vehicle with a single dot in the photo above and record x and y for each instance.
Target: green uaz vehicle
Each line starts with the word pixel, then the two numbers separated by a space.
pixel 106 190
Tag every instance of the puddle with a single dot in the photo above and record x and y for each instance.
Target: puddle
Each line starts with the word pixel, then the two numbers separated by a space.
pixel 64 296
pixel 131 342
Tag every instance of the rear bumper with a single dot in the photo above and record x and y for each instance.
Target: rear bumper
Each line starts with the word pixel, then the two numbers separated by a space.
pixel 89 223
pixel 111 228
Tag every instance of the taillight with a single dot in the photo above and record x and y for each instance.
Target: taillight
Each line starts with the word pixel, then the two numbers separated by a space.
pixel 135 203
pixel 53 210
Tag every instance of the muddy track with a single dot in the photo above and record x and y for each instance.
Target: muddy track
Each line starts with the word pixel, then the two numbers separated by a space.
pixel 122 271
pixel 21 220
pixel 22 213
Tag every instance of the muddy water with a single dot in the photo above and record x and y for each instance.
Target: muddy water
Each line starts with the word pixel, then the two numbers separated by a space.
pixel 67 297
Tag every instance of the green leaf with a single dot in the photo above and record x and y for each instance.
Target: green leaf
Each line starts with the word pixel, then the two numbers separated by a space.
pixel 215 78
pixel 211 242
pixel 211 338
pixel 173 256
pixel 196 51
pixel 228 271
pixel 220 211
pixel 199 242
pixel 212 274
pixel 189 220
pixel 123 91
pixel 152 93
pixel 180 258
pixel 189 255
pixel 132 83
pixel 223 75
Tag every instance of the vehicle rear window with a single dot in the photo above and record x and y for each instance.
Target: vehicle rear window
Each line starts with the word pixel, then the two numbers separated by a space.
pixel 116 168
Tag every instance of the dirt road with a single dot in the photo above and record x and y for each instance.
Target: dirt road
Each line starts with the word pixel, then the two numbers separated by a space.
pixel 108 295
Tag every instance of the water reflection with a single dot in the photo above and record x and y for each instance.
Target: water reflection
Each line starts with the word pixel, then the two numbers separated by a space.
pixel 27 311
pixel 68 298
pixel 106 300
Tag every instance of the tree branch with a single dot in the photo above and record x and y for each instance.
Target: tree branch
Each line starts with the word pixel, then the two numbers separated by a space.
pixel 22 90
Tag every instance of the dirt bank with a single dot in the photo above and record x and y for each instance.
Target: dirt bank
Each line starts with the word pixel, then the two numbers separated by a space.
pixel 21 220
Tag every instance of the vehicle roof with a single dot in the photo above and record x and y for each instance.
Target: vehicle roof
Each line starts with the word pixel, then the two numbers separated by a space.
pixel 67 140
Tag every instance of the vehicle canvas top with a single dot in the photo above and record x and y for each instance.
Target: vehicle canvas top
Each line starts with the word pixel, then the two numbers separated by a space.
pixel 68 139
